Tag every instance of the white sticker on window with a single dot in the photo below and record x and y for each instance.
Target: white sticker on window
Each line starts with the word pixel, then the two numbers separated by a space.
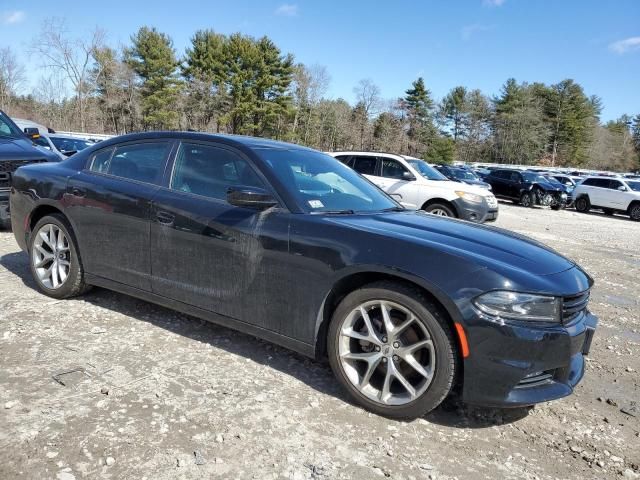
pixel 315 204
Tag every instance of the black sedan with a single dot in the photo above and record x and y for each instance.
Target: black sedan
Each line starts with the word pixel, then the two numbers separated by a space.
pixel 288 244
pixel 462 175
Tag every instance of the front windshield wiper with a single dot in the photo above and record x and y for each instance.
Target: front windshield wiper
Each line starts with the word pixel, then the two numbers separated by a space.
pixel 393 209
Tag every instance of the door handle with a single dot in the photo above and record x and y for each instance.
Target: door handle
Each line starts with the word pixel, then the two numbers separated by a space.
pixel 165 218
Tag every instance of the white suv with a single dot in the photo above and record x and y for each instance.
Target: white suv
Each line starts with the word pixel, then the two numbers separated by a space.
pixel 416 185
pixel 611 195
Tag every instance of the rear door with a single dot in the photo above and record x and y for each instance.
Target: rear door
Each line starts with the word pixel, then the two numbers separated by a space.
pixel 109 205
pixel 598 191
pixel 367 166
pixel 498 183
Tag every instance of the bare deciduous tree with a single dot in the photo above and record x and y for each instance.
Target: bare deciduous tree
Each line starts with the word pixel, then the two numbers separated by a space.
pixel 71 56
pixel 11 77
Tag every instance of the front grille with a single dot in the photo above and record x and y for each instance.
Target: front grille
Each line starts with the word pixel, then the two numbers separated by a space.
pixel 7 167
pixel 536 379
pixel 574 305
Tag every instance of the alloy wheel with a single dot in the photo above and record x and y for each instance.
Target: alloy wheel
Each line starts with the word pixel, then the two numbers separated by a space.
pixel 635 212
pixel 51 256
pixel 440 212
pixel 386 352
pixel 526 200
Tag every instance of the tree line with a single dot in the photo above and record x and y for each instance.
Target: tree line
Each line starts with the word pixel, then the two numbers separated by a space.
pixel 243 85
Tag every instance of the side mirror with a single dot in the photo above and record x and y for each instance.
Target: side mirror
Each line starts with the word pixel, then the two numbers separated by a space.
pixel 622 188
pixel 32 133
pixel 250 197
pixel 408 176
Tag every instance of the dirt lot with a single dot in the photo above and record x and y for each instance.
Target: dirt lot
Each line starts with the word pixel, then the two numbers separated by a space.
pixel 159 395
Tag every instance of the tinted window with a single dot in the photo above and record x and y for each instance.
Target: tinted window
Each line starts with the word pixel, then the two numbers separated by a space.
pixel 343 158
pixel 209 171
pixel 589 182
pixel 392 169
pixel 501 174
pixel 515 177
pixel 614 184
pixel 365 165
pixel 70 144
pixel 99 161
pixel 426 170
pixel 143 162
pixel 42 142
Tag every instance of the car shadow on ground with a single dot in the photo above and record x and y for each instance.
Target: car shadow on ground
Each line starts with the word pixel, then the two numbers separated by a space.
pixel 315 374
pixel 596 213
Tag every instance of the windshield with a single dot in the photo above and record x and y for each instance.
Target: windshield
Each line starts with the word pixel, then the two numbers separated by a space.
pixel 321 183
pixel 552 180
pixel 70 144
pixel 8 128
pixel 534 177
pixel 463 174
pixel 425 170
pixel 635 186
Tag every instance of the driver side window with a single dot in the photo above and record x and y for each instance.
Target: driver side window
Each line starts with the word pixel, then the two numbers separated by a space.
pixel 209 171
pixel 392 169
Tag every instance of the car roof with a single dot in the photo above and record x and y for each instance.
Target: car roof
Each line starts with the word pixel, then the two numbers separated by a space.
pixel 233 140
pixel 370 154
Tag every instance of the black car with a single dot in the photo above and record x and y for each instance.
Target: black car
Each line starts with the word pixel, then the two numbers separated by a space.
pixel 16 149
pixel 407 306
pixel 461 175
pixel 527 188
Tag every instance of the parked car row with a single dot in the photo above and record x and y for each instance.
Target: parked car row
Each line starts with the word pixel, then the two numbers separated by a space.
pixel 418 186
pixel 290 245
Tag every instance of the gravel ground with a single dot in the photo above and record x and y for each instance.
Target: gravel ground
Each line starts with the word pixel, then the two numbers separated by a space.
pixel 144 392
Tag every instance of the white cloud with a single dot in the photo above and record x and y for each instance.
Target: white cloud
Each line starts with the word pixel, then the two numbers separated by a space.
pixel 287 10
pixel 493 3
pixel 627 45
pixel 11 17
pixel 469 31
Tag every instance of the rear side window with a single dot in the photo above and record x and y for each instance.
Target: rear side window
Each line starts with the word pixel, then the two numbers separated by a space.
pixel 209 171
pixel 365 165
pixel 143 162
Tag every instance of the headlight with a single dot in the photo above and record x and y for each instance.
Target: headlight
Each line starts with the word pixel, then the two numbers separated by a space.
pixel 470 197
pixel 519 306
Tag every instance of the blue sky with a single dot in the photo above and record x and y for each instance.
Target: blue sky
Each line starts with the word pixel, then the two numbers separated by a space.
pixel 476 43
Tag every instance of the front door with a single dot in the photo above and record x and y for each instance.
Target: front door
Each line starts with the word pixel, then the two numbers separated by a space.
pixel 109 204
pixel 210 254
pixel 395 180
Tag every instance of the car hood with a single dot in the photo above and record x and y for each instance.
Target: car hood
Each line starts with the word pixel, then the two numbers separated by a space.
pixel 484 245
pixel 459 186
pixel 23 149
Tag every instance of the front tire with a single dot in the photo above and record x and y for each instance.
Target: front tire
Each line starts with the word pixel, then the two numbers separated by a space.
pixel 392 350
pixel 582 204
pixel 54 260
pixel 440 209
pixel 634 212
pixel 526 200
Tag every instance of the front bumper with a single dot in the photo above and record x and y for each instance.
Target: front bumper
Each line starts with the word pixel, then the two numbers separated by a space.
pixel 475 212
pixel 514 365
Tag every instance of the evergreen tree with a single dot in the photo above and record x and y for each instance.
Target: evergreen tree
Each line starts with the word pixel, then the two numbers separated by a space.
pixel 635 132
pixel 419 107
pixel 153 59
pixel 453 109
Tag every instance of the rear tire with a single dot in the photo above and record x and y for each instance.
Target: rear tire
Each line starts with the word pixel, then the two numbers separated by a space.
pixel 54 259
pixel 582 204
pixel 440 210
pixel 362 367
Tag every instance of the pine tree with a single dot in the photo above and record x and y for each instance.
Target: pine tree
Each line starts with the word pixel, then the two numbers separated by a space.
pixel 153 59
pixel 453 109
pixel 419 106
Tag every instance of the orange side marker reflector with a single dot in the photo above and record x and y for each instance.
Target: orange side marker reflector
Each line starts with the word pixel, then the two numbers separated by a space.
pixel 463 340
